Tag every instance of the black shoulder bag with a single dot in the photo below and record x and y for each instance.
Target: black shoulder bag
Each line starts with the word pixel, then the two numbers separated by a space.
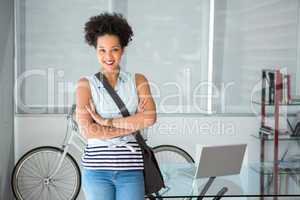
pixel 152 176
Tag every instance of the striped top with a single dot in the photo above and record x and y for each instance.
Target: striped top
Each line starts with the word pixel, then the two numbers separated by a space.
pixel 120 153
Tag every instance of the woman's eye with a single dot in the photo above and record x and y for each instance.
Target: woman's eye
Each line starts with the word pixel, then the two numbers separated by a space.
pixel 115 50
pixel 102 50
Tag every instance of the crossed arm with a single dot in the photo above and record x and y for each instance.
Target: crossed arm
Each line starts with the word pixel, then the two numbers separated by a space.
pixel 93 125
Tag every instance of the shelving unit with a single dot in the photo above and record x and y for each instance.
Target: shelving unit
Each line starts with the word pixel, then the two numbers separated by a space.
pixel 276 136
pixel 280 137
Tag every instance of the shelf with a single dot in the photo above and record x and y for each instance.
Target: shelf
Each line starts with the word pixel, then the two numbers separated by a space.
pixel 280 137
pixel 279 84
pixel 284 167
pixel 293 103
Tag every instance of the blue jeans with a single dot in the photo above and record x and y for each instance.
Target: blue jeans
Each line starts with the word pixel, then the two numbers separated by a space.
pixel 113 184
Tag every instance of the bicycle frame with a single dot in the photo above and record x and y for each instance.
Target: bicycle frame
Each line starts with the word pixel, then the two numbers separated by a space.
pixel 71 133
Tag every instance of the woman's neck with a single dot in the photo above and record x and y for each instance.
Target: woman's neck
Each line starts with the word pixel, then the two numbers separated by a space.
pixel 111 75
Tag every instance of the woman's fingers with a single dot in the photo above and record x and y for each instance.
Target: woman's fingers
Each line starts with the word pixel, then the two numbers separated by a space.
pixel 89 109
pixel 144 103
pixel 95 116
pixel 141 102
pixel 92 105
pixel 92 113
pixel 141 106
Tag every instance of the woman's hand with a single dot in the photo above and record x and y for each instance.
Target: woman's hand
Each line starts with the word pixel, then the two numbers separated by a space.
pixel 141 106
pixel 98 119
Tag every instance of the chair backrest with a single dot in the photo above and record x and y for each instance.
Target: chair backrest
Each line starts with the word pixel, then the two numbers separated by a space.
pixel 220 160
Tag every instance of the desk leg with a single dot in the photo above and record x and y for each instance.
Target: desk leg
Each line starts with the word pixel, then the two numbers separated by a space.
pixel 206 187
pixel 221 193
pixel 151 197
pixel 287 183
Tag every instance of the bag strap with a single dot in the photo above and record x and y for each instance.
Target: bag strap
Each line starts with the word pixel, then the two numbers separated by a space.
pixel 139 138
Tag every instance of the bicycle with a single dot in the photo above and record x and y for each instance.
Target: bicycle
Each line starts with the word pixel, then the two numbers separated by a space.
pixel 50 172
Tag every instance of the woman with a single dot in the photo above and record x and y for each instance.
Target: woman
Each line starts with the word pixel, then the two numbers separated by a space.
pixel 112 162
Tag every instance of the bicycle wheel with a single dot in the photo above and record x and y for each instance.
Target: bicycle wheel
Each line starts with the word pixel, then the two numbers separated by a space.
pixel 30 177
pixel 171 154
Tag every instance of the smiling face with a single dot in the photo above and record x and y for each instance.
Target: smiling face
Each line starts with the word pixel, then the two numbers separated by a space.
pixel 109 52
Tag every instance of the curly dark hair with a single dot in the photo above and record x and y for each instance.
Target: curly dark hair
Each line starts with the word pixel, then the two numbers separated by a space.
pixel 108 23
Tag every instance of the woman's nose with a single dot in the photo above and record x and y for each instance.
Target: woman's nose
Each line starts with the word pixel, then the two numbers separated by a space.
pixel 108 55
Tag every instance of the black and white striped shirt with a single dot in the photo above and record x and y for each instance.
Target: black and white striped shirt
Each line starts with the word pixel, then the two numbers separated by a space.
pixel 113 158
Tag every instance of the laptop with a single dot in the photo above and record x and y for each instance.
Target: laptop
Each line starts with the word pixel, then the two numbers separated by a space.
pixel 220 160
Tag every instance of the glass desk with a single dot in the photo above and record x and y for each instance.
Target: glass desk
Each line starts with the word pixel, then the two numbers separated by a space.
pixel 180 183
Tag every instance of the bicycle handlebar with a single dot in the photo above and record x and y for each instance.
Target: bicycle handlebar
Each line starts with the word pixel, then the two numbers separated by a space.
pixel 73 108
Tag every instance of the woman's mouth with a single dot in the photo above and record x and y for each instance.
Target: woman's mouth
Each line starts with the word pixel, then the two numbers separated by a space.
pixel 109 62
